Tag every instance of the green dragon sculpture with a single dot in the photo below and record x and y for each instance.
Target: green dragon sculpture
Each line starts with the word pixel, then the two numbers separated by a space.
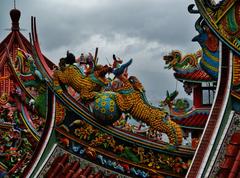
pixel 178 62
pixel 31 76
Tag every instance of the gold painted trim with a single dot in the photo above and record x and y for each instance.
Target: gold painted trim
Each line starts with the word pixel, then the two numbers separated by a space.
pixel 210 55
pixel 209 66
pixel 35 137
pixel 224 13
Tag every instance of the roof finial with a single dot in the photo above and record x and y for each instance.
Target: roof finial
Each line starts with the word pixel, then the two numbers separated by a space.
pixel 15 16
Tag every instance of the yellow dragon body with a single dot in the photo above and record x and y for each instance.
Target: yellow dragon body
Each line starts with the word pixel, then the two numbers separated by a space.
pixel 86 86
pixel 131 98
pixel 108 106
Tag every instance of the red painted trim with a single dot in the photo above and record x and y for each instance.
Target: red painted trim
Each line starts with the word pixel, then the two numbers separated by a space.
pixel 13 72
pixel 236 167
pixel 22 46
pixel 197 96
pixel 37 47
pixel 5 41
pixel 46 131
pixel 197 75
pixel 206 138
pixel 4 56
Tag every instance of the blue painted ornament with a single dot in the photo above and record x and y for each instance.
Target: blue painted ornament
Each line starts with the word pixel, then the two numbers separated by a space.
pixel 105 108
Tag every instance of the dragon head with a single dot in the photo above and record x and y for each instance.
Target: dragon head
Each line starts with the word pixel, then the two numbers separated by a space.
pixel 24 55
pixel 172 58
pixel 101 70
pixel 70 59
pixel 136 84
pixel 62 64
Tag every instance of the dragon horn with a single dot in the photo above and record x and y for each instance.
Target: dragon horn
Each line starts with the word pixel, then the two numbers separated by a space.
pixel 120 70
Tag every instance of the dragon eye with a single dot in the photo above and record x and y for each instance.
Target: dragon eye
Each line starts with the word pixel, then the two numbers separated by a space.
pixel 131 80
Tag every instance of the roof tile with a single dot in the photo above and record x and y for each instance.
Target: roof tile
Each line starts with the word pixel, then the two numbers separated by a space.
pixel 230 167
pixel 231 150
pixel 197 120
pixel 62 166
pixel 227 163
pixel 197 75
pixel 235 139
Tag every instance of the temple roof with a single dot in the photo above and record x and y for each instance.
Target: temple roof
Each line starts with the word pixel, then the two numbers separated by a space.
pixel 17 96
pixel 193 119
pixel 230 166
pixel 197 120
pixel 223 19
pixel 63 167
pixel 194 76
pixel 15 39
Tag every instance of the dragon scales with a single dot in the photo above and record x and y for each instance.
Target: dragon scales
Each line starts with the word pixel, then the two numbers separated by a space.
pixel 135 103
pixel 108 106
pixel 87 86
pixel 130 98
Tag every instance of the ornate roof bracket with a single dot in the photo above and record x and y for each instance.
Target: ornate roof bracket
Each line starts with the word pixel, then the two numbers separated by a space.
pixel 218 19
pixel 191 10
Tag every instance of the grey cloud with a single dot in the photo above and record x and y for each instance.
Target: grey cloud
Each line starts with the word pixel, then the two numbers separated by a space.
pixel 166 22
pixel 144 30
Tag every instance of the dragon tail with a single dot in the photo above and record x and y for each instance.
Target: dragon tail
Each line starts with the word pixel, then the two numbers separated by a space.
pixel 178 132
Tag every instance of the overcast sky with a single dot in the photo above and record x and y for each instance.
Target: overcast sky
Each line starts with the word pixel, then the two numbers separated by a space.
pixel 144 30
